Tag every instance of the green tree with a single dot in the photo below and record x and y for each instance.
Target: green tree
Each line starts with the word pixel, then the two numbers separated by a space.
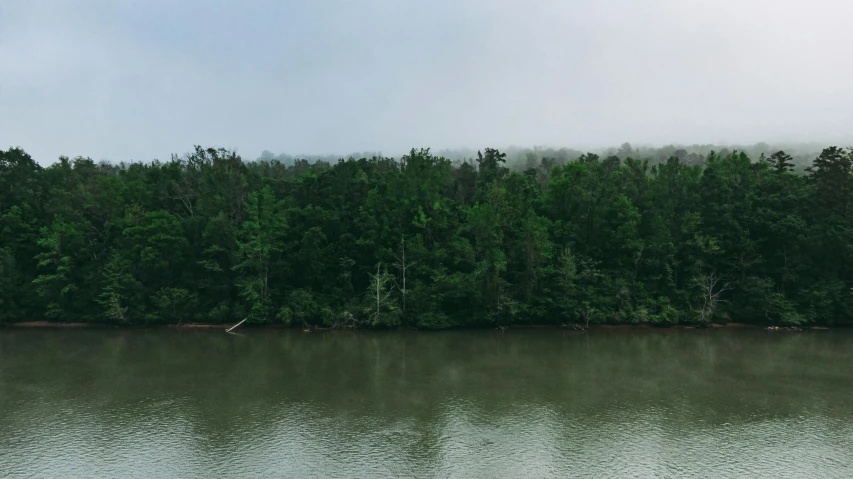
pixel 118 290
pixel 56 283
pixel 781 162
pixel 174 305
pixel 255 249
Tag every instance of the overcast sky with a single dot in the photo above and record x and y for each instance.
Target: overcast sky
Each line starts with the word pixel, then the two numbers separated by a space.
pixel 138 80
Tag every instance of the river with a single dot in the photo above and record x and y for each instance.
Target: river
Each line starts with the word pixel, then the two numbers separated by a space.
pixel 268 403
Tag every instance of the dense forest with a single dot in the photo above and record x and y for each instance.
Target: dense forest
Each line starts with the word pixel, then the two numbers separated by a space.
pixel 429 242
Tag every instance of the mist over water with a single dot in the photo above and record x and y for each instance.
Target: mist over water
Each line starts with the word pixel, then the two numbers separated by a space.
pixel 158 403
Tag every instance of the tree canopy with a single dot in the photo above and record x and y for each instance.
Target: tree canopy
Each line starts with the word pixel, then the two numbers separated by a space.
pixel 428 242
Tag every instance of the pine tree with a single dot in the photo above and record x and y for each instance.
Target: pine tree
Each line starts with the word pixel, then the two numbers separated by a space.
pixel 781 162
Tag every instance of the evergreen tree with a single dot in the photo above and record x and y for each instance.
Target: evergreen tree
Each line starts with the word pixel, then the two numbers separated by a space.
pixel 781 162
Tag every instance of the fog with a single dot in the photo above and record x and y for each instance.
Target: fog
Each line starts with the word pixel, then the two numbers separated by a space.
pixel 138 80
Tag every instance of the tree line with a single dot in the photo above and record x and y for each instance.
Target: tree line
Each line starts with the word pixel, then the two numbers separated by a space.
pixel 427 242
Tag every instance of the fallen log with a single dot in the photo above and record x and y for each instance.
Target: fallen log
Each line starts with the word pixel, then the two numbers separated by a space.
pixel 232 328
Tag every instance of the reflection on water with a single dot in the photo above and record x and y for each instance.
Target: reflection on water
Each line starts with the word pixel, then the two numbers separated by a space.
pixel 158 403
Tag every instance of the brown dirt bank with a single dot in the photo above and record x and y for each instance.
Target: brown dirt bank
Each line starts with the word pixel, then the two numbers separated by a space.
pixel 198 326
pixel 51 324
pixel 518 327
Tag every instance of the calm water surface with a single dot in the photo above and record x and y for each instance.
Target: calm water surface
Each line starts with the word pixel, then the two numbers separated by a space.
pixel 199 404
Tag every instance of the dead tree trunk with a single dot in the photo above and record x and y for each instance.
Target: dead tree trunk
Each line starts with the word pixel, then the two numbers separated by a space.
pixel 402 266
pixel 232 328
pixel 711 289
pixel 379 284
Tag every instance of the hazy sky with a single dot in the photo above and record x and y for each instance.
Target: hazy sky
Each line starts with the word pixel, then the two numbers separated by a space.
pixel 124 80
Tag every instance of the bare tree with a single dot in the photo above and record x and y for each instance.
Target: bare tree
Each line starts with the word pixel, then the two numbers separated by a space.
pixel 402 266
pixel 587 313
pixel 186 190
pixel 711 287
pixel 348 321
pixel 381 287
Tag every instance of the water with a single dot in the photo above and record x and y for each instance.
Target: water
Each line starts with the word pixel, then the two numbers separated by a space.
pixel 164 403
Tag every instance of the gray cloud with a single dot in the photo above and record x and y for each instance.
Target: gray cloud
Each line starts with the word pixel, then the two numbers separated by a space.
pixel 143 79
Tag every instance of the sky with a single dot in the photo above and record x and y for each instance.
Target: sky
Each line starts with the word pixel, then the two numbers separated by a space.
pixel 124 80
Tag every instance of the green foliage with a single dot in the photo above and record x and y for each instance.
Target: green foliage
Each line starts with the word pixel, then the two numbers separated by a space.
pixel 9 279
pixel 255 250
pixel 174 305
pixel 302 309
pixel 56 282
pixel 118 290
pixel 425 242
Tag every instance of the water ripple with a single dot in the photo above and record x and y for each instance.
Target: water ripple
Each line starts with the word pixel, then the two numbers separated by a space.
pixel 451 405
